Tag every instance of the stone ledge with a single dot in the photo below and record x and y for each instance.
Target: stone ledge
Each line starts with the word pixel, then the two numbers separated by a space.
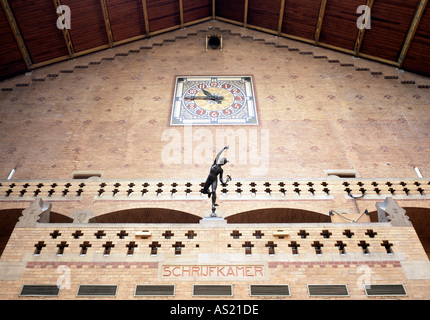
pixel 11 271
pixel 416 270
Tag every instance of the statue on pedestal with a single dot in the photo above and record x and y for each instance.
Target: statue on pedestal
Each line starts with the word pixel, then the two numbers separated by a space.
pixel 212 179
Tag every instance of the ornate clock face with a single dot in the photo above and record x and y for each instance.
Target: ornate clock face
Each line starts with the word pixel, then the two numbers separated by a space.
pixel 214 100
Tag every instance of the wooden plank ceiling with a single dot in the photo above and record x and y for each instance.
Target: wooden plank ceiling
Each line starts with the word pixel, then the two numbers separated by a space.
pixel 399 33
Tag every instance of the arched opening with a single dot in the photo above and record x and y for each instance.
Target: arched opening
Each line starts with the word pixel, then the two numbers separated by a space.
pixel 420 218
pixel 9 218
pixel 147 215
pixel 278 215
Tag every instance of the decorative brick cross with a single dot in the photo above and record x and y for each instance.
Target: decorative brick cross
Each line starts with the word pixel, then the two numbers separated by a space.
pixel 271 245
pixel 190 234
pixel 108 245
pixel 235 234
pixel 317 245
pixel 247 245
pixel 294 247
pixel 39 246
pixel 85 247
pixel 131 247
pixel 303 234
pixel 154 245
pixel 178 245
pixel 168 234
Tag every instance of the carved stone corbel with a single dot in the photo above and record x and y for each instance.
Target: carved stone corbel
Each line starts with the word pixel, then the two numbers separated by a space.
pixel 38 211
pixel 390 211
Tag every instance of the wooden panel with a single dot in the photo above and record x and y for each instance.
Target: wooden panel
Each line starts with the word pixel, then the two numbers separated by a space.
pixel 148 215
pixel 87 29
pixel 300 18
pixel 126 18
pixel 232 10
pixel 278 215
pixel 339 26
pixel 11 61
pixel 197 9
pixel 264 13
pixel 417 59
pixel 163 14
pixel 390 21
pixel 39 30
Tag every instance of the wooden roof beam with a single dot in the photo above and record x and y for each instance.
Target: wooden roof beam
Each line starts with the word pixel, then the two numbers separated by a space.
pixel 245 14
pixel 146 18
pixel 411 33
pixel 16 33
pixel 107 22
pixel 320 21
pixel 281 17
pixel 181 13
pixel 213 10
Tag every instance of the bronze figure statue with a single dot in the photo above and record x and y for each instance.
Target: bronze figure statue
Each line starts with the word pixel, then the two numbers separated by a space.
pixel 212 179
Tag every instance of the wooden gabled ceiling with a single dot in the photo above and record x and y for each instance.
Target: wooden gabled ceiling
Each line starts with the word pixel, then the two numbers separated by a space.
pixel 399 33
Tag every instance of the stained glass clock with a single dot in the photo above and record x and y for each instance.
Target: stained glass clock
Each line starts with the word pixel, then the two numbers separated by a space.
pixel 214 100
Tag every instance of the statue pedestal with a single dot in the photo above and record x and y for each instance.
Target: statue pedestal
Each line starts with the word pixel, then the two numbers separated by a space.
pixel 212 221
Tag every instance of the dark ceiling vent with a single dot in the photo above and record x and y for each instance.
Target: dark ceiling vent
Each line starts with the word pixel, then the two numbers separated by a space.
pixel 385 290
pixel 345 174
pixel 269 290
pixel 326 290
pixel 213 290
pixel 97 290
pixel 86 174
pixel 155 290
pixel 39 290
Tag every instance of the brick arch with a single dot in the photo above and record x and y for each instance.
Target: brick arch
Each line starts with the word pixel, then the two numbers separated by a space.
pixel 9 218
pixel 147 215
pixel 278 215
pixel 420 218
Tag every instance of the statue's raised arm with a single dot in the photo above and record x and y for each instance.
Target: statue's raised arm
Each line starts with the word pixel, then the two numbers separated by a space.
pixel 219 154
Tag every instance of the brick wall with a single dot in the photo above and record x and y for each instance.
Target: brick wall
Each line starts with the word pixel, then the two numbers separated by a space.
pixel 221 246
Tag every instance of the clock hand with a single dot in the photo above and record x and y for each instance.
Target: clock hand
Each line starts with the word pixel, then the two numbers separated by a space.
pixel 200 98
pixel 217 99
pixel 207 93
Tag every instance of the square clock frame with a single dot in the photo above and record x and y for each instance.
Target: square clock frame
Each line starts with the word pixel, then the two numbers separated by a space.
pixel 214 100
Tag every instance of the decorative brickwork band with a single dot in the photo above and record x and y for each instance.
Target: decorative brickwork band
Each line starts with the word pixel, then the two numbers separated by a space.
pixel 335 264
pixel 92 265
